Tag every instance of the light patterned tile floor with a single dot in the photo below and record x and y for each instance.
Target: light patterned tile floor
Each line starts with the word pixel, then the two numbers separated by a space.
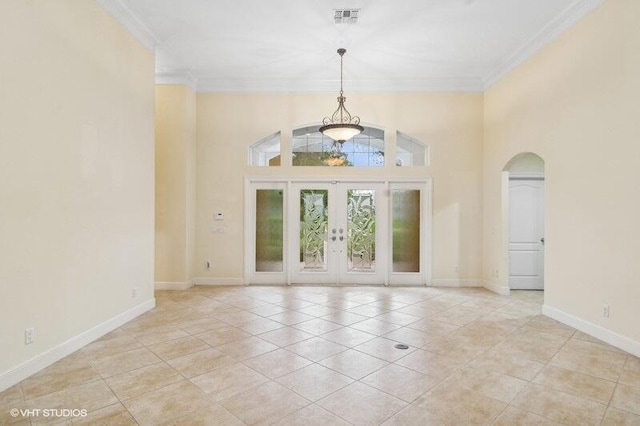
pixel 326 356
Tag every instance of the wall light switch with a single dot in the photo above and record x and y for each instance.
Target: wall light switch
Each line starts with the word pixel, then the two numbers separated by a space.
pixel 29 335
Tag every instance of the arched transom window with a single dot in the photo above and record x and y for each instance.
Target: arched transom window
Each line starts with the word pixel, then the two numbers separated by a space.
pixel 312 148
pixel 410 152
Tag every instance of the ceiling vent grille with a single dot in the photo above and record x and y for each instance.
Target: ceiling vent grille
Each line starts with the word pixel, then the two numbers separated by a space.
pixel 346 16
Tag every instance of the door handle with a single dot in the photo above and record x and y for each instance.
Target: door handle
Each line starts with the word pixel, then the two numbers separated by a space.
pixel 542 240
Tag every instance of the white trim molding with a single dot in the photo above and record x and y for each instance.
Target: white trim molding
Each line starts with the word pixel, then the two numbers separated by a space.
pixel 454 282
pixel 180 78
pixel 208 84
pixel 39 362
pixel 186 285
pixel 565 20
pixel 597 331
pixel 497 288
pixel 526 175
pixel 218 281
pixel 131 22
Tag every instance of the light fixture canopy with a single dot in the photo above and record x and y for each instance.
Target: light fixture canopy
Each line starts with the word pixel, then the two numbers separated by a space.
pixel 341 126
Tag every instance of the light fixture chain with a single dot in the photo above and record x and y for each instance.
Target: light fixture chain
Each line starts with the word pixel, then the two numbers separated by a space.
pixel 341 126
pixel 341 64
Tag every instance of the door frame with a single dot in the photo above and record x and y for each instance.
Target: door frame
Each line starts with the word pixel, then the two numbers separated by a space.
pixel 252 277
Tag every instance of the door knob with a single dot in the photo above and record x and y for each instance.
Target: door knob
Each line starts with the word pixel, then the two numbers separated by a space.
pixel 542 240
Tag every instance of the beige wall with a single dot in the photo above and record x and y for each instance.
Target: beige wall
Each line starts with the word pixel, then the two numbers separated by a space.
pixel 576 105
pixel 175 183
pixel 76 173
pixel 450 123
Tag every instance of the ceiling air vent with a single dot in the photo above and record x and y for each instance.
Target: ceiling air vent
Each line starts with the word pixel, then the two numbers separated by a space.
pixel 346 16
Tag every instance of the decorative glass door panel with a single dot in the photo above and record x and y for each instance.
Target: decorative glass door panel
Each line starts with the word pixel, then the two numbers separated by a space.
pixel 314 216
pixel 266 237
pixel 361 230
pixel 312 251
pixel 269 230
pixel 408 229
pixel 362 208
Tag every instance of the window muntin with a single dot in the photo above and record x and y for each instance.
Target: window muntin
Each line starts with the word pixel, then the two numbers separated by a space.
pixel 311 148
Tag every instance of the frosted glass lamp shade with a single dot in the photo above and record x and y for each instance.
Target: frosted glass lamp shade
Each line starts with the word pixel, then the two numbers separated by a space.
pixel 341 132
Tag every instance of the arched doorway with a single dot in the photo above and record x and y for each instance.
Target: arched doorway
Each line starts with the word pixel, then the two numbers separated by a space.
pixel 524 221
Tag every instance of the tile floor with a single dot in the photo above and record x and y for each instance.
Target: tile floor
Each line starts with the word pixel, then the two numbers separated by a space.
pixel 326 356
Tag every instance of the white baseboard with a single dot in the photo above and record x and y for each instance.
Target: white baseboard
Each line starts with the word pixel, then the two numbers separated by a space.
pixel 218 281
pixel 497 288
pixel 456 283
pixel 599 332
pixel 39 362
pixel 174 285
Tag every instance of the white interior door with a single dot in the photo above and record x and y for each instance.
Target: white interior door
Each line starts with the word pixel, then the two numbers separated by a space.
pixel 337 233
pixel 526 234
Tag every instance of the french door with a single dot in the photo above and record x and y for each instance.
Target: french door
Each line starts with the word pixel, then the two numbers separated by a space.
pixel 336 233
pixel 333 233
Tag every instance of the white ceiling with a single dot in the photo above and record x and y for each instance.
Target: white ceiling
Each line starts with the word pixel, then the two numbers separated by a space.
pixel 290 45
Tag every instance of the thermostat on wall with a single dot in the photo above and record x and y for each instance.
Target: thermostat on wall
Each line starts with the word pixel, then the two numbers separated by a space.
pixel 218 216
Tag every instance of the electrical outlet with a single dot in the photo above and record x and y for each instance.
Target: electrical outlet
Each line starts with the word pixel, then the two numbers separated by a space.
pixel 29 335
pixel 134 292
pixel 605 311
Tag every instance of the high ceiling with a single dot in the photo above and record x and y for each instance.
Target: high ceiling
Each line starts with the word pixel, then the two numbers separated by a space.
pixel 290 45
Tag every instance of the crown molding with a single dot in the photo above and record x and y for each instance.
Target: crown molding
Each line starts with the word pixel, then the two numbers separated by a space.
pixel 435 84
pixel 183 78
pixel 555 28
pixel 130 21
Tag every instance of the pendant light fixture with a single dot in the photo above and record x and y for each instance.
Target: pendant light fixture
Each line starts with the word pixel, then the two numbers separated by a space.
pixel 341 126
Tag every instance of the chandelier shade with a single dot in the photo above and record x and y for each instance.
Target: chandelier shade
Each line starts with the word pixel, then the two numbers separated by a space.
pixel 341 126
pixel 341 132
